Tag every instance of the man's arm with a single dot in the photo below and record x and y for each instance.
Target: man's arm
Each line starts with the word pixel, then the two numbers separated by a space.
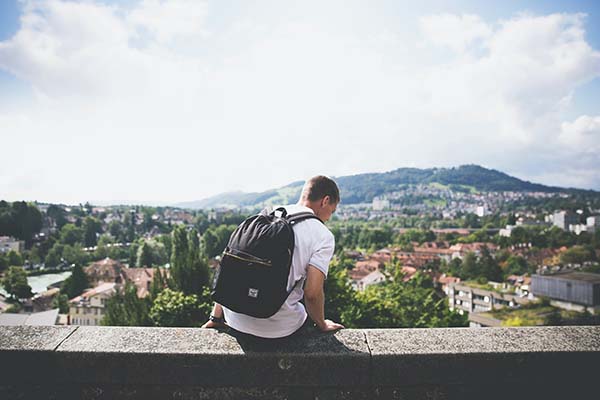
pixel 314 299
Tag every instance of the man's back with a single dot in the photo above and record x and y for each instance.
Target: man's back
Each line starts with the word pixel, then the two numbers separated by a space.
pixel 314 245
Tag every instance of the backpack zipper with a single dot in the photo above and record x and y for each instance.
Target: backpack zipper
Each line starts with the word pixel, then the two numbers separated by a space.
pixel 252 260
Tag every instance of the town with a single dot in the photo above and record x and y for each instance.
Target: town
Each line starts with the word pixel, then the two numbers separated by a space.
pixel 460 258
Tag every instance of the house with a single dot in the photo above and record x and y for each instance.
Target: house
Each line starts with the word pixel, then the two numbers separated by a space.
pixel 383 256
pixel 408 272
pixel 49 317
pixel 521 283
pixel 41 301
pixel 142 279
pixel 372 278
pixel 460 250
pixel 88 308
pixel 445 281
pixel 469 298
pixel 359 275
pixel 440 250
pixel 354 255
pixel 107 270
pixel 8 244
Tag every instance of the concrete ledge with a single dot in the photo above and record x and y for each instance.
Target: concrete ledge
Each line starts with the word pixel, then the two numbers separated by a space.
pixel 482 355
pixel 211 358
pixel 132 363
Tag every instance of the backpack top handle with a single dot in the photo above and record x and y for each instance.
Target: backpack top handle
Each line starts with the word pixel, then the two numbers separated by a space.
pixel 282 210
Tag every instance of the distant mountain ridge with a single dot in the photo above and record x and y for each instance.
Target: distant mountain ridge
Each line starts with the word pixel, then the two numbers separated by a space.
pixel 362 188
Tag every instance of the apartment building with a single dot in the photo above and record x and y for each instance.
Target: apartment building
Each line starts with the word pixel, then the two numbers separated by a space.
pixel 465 298
pixel 89 307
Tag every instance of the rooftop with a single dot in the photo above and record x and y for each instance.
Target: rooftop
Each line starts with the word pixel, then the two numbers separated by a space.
pixel 39 318
pixel 575 276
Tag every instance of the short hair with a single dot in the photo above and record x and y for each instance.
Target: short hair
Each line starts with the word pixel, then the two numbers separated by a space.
pixel 318 187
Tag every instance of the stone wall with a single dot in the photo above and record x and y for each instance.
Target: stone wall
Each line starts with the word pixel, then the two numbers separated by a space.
pixel 71 362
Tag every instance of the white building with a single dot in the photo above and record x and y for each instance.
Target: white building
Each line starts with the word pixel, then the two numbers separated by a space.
pixel 380 204
pixel 88 309
pixel 563 219
pixel 593 223
pixel 482 211
pixel 8 244
pixel 578 228
pixel 506 232
pixel 373 278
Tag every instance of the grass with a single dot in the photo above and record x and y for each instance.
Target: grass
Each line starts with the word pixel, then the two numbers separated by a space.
pixel 435 202
pixel 532 314
pixel 486 286
pixel 438 185
pixel 523 316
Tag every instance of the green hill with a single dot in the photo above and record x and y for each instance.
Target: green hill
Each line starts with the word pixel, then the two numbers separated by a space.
pixel 362 188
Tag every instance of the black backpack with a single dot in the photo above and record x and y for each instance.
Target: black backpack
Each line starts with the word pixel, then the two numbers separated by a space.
pixel 254 269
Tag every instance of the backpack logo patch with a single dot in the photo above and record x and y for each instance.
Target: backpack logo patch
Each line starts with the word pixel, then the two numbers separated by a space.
pixel 253 293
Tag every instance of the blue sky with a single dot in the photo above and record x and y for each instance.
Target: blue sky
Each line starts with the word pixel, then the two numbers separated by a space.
pixel 173 101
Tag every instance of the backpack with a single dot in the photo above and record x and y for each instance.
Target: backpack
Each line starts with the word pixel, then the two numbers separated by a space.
pixel 253 273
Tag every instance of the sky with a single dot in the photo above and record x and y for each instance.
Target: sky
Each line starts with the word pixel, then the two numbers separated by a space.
pixel 172 101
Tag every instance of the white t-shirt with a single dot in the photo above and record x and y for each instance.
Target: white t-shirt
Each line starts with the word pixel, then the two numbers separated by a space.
pixel 314 245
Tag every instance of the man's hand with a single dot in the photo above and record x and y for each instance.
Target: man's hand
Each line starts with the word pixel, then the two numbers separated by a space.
pixel 331 326
pixel 214 325
pixel 217 310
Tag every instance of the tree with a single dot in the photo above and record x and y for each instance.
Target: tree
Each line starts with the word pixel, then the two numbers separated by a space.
pixel 125 308
pixel 57 214
pixel 91 227
pixel 516 265
pixel 189 267
pixel 133 249
pixel 54 256
pixel 470 268
pixel 151 252
pixel 144 256
pixel 116 230
pixel 74 254
pixel 489 267
pixel 210 243
pixel 75 284
pixel 71 234
pixel 166 240
pixel 214 240
pixel 340 300
pixel 20 219
pixel 577 255
pixel 179 258
pixel 198 273
pixel 15 258
pixel 174 308
pixel 15 283
pixel 34 255
pixel 398 304
pixel 61 301
pixel 159 283
pixel 3 262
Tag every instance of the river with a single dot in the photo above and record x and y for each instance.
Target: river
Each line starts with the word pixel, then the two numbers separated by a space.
pixel 40 282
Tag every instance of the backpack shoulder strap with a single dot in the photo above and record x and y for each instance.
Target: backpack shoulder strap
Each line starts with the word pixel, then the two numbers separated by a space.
pixel 301 216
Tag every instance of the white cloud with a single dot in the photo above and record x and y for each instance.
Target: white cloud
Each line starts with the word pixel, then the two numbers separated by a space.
pixel 583 134
pixel 157 101
pixel 170 19
pixel 455 31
